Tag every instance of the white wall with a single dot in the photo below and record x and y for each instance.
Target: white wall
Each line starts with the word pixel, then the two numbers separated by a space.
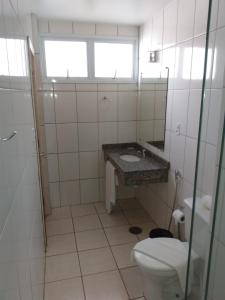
pixel 21 231
pixel 78 121
pixel 178 32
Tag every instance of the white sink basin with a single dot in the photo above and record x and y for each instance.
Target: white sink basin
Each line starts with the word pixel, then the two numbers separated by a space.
pixel 130 158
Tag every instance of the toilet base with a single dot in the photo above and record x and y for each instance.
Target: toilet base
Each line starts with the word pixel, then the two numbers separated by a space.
pixel 168 289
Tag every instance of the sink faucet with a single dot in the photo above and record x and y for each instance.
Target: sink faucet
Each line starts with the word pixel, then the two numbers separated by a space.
pixel 143 153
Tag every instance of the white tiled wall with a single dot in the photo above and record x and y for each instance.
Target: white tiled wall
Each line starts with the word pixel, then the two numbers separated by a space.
pixel 182 50
pixel 22 256
pixel 85 29
pixel 79 118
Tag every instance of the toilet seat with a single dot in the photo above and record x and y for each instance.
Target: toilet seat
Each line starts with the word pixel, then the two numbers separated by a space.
pixel 141 254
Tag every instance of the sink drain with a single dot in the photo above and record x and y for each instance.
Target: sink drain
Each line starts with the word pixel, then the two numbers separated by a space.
pixel 135 230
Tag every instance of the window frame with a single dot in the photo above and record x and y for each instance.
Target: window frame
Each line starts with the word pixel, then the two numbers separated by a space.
pixel 90 59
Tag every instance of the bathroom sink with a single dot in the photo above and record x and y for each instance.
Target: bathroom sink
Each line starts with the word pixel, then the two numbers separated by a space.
pixel 130 158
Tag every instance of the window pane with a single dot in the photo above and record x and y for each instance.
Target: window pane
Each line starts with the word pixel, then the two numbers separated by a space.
pixel 113 60
pixel 13 57
pixel 66 58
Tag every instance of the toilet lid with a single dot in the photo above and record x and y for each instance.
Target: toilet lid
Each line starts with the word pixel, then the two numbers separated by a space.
pixel 142 253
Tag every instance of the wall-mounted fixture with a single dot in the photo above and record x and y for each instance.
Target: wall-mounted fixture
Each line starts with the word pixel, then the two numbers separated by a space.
pixel 153 56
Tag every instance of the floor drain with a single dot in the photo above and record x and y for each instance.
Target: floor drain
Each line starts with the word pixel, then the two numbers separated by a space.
pixel 135 230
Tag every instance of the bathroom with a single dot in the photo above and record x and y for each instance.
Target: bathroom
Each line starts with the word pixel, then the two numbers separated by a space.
pixel 112 150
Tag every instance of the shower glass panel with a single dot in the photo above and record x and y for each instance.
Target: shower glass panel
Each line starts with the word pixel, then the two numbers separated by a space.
pixel 207 235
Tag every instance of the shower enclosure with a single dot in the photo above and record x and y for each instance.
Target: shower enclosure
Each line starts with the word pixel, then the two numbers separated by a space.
pixel 210 164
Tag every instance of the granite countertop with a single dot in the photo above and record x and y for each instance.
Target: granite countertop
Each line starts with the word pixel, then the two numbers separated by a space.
pixel 150 169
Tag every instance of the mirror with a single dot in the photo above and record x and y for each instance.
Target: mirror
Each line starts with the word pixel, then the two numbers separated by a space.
pixel 152 105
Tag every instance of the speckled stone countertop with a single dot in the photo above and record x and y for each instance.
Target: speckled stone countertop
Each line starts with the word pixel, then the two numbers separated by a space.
pixel 151 169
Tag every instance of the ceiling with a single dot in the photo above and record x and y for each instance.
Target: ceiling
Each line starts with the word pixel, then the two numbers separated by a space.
pixel 112 11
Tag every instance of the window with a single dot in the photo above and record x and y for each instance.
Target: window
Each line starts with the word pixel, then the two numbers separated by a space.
pixel 113 60
pixel 13 62
pixel 66 58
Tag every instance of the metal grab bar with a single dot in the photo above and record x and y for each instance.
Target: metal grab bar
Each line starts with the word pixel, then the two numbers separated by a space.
pixel 8 138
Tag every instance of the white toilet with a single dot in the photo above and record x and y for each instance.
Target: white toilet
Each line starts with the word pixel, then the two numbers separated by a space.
pixel 161 280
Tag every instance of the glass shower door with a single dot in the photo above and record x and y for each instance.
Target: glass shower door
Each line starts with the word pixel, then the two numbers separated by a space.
pixel 208 240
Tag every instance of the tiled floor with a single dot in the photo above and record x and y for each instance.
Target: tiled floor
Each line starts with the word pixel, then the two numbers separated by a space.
pixel 88 254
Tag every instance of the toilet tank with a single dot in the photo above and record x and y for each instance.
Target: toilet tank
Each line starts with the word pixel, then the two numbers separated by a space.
pixel 201 231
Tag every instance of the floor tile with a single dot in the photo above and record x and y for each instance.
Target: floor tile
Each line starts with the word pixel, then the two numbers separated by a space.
pixel 70 289
pixel 82 210
pixel 147 227
pixel 61 244
pixel 59 213
pixel 114 219
pixel 131 203
pixel 133 282
pixel 120 235
pixel 104 286
pixel 122 255
pixel 59 227
pixel 91 239
pixel 100 207
pixel 90 222
pixel 96 261
pixel 62 267
pixel 135 216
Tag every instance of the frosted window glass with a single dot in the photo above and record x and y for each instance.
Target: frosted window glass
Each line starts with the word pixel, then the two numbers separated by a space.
pixel 13 57
pixel 66 59
pixel 113 60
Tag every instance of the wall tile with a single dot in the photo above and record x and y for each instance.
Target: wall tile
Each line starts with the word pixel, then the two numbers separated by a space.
pixel 219 60
pixel 214 116
pixel 127 106
pixel 88 136
pixel 63 27
pixel 194 113
pixel 48 105
pixel 87 107
pixel 157 32
pixel 88 165
pixel 146 106
pixel 201 9
pixel 85 29
pixel 209 169
pixel 131 31
pixel 106 29
pixel 170 24
pixel 53 168
pixel 67 137
pixel 107 133
pixel 68 166
pixel 179 113
pixel 54 194
pixel 182 72
pixel 221 14
pixel 65 107
pixel 43 26
pixel 185 24
pixel 177 152
pixel 160 104
pixel 107 87
pixel 127 132
pixel 190 159
pixel 89 190
pixel 51 140
pixel 159 130
pixel 198 60
pixel 145 131
pixel 86 87
pixel 69 193
pixel 107 106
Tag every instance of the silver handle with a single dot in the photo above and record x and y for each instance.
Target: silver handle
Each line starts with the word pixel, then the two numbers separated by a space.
pixel 8 138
